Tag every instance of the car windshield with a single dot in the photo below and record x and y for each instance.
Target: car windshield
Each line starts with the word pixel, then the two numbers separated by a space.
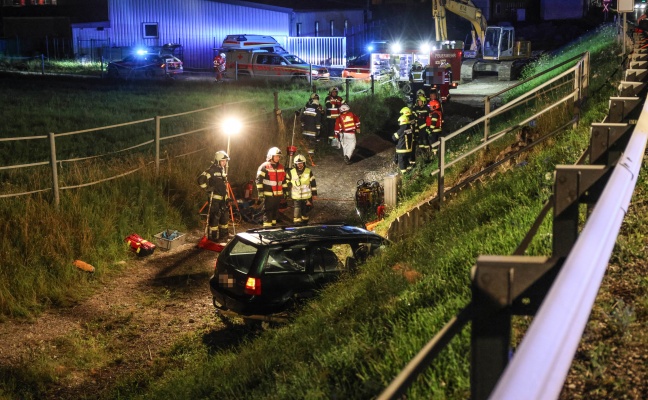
pixel 293 59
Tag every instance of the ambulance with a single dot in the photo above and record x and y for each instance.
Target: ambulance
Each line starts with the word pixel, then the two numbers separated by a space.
pixel 262 57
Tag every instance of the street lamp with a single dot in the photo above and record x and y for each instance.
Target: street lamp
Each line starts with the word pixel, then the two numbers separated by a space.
pixel 231 126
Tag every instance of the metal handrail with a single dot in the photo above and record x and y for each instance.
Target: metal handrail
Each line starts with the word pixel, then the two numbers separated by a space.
pixel 542 361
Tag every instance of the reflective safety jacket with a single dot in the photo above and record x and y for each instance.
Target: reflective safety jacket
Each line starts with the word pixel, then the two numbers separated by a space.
pixel 332 104
pixel 271 180
pixel 421 113
pixel 311 118
pixel 302 184
pixel 347 123
pixel 403 137
pixel 214 180
pixel 436 121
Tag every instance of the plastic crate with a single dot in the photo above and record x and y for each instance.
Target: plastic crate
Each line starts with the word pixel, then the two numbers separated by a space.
pixel 166 244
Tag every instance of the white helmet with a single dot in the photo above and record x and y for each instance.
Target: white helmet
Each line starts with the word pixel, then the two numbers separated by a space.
pixel 275 151
pixel 333 89
pixel 299 159
pixel 344 108
pixel 220 156
pixel 223 55
pixel 314 96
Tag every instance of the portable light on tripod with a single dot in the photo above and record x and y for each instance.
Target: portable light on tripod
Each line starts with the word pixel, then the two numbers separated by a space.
pixel 231 126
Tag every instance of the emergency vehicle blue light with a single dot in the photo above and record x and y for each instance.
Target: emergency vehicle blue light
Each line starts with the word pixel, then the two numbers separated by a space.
pixel 370 48
pixel 140 52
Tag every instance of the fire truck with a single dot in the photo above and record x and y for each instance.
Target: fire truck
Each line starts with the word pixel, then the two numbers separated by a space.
pixel 439 70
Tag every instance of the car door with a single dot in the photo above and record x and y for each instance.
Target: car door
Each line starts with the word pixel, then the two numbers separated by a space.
pixel 285 276
pixel 328 262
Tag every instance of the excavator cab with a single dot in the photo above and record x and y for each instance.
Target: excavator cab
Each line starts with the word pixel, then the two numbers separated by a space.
pixel 499 44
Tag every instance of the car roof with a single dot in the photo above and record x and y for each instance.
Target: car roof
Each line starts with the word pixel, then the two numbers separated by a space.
pixel 270 236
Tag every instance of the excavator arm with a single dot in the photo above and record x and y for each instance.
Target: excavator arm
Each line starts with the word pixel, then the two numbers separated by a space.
pixel 463 8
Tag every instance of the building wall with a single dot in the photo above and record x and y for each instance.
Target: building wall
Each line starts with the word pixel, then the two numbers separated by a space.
pixel 305 23
pixel 198 25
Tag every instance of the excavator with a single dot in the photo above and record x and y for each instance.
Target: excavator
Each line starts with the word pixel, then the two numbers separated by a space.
pixel 493 48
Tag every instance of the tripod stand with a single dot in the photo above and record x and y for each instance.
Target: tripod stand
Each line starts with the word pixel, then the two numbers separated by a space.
pixel 235 218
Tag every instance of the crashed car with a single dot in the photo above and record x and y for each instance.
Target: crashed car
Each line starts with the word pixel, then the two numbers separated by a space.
pixel 263 273
pixel 145 65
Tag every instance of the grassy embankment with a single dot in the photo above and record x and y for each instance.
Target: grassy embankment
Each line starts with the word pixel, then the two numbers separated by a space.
pixel 361 332
pixel 92 222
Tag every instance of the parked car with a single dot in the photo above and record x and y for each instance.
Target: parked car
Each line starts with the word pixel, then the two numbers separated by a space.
pixel 147 65
pixel 273 66
pixel 263 273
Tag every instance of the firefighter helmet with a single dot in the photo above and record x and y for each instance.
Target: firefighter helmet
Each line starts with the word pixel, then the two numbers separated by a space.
pixel 314 96
pixel 275 151
pixel 421 98
pixel 344 108
pixel 299 159
pixel 221 156
pixel 434 104
pixel 333 89
pixel 420 92
pixel 405 111
pixel 223 55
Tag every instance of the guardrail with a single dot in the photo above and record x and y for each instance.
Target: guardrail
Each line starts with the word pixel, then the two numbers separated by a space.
pixel 559 290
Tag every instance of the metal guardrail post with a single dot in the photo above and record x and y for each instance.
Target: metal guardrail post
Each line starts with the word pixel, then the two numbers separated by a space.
pixel 502 286
pixel 373 81
pixel 575 184
pixel 55 185
pixel 607 142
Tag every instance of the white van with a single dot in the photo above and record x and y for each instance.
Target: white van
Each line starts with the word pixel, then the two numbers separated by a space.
pixel 268 65
pixel 252 42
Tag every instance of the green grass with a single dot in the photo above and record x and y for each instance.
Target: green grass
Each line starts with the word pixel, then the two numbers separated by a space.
pixel 355 338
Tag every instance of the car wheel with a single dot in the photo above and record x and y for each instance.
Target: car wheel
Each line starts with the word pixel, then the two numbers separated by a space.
pixel 406 88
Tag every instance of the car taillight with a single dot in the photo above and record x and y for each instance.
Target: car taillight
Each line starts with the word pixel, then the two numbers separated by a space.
pixel 253 286
pixel 162 65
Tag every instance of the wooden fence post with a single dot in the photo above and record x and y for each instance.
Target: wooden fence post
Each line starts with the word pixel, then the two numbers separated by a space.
pixel 55 186
pixel 157 145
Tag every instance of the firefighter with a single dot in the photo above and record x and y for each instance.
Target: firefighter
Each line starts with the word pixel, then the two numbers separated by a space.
pixel 416 80
pixel 332 103
pixel 271 186
pixel 422 131
pixel 311 118
pixel 347 126
pixel 219 66
pixel 435 123
pixel 403 139
pixel 303 190
pixel 214 181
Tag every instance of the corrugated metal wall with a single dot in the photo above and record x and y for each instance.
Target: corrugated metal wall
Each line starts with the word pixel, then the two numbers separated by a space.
pixel 198 25
pixel 328 51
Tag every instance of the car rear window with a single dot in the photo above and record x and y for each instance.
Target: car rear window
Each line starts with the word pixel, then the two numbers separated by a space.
pixel 240 256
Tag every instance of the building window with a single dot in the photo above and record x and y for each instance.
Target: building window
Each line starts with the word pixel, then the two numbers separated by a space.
pixel 150 30
pixel 298 33
pixel 331 25
pixel 316 28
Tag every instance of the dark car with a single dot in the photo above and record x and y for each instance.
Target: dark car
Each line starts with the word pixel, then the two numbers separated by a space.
pixel 148 65
pixel 262 272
